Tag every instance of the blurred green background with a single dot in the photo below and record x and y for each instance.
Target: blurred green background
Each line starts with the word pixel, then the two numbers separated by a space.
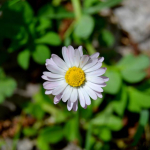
pixel 30 31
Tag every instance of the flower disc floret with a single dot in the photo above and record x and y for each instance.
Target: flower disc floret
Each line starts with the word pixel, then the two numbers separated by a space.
pixel 75 77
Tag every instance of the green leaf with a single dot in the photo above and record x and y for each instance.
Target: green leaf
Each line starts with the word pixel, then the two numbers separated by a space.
pixel 50 38
pixel 44 23
pixel 120 102
pixel 114 83
pixel 46 11
pixel 42 144
pixel 106 38
pixel 105 134
pixel 107 119
pixel 84 27
pixel 35 110
pixel 51 134
pixel 29 131
pixel 132 68
pixel 138 100
pixel 7 86
pixel 41 53
pixel 23 59
pixel 97 8
pixel 72 128
pixel 144 117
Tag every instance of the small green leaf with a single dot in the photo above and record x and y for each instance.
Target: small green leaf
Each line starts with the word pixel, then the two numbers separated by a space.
pixel 84 27
pixel 114 83
pixel 51 134
pixel 50 38
pixel 97 8
pixel 23 59
pixel 42 144
pixel 106 38
pixel 138 100
pixel 41 53
pixel 133 68
pixel 105 134
pixel 7 86
pixel 120 102
pixel 29 131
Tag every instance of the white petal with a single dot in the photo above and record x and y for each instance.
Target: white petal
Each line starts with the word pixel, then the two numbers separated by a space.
pixel 52 75
pixel 59 62
pixel 80 50
pixel 52 85
pixel 69 105
pixel 81 98
pixel 51 79
pixel 59 89
pixel 83 60
pixel 65 53
pixel 90 64
pixel 101 59
pixel 74 95
pixel 77 58
pixel 57 98
pixel 75 106
pixel 94 55
pixel 99 94
pixel 67 92
pixel 95 87
pixel 98 72
pixel 95 67
pixel 55 69
pixel 86 97
pixel 102 84
pixel 90 92
pixel 105 78
pixel 94 79
pixel 71 55
pixel 47 92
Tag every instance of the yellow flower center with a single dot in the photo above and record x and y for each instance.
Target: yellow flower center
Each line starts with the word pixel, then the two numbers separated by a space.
pixel 75 76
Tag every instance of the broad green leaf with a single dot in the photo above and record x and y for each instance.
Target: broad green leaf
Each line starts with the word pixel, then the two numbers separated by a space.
pixel 23 59
pixel 41 53
pixel 120 102
pixel 114 83
pixel 138 100
pixel 133 68
pixel 84 27
pixel 51 134
pixel 97 8
pixel 50 38
pixel 133 76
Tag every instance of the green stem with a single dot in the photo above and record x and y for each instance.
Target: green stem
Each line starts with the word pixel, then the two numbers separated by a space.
pixel 77 8
pixel 88 136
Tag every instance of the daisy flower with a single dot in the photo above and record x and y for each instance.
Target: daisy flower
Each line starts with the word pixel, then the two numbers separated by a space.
pixel 76 78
